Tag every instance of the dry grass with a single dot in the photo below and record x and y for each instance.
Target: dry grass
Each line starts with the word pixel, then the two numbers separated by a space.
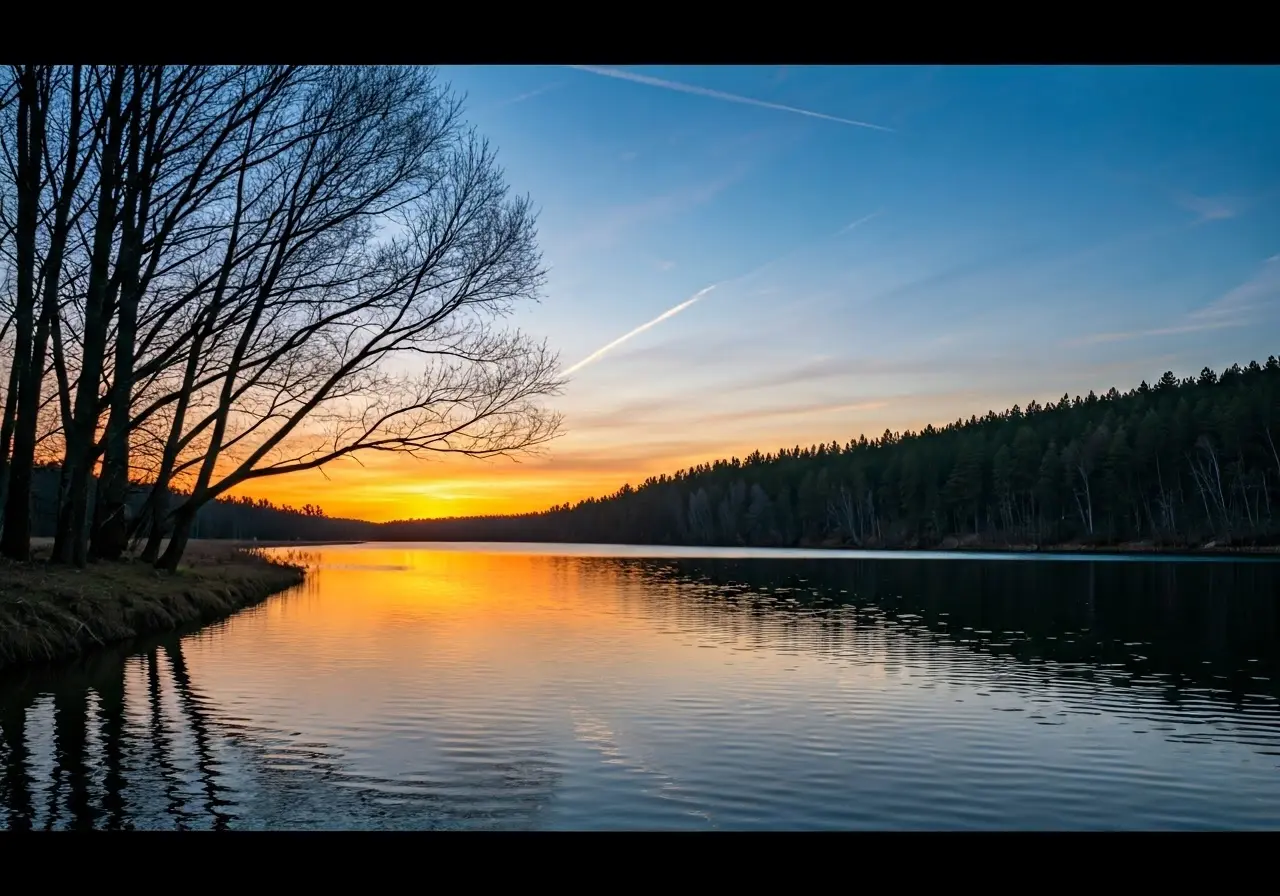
pixel 53 613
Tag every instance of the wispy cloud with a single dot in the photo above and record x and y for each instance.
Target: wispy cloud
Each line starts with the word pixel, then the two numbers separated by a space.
pixel 621 416
pixel 659 455
pixel 906 375
pixel 677 86
pixel 839 368
pixel 762 414
pixel 696 350
pixel 858 223
pixel 755 272
pixel 609 229
pixel 1260 290
pixel 654 416
pixel 1210 208
pixel 968 268
pixel 669 313
pixel 1236 308
pixel 1099 338
pixel 546 88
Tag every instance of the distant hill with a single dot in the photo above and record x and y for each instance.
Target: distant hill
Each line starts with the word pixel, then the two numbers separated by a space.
pixel 1182 462
pixel 1178 463
pixel 240 518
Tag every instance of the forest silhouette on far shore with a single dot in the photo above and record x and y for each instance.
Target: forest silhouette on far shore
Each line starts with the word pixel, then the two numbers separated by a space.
pixel 1181 463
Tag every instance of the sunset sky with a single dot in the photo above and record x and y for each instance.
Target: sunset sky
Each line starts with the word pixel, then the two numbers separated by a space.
pixel 835 251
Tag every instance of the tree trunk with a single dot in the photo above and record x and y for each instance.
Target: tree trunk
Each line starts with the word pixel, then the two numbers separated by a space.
pixel 70 543
pixel 1088 498
pixel 178 538
pixel 157 511
pixel 6 438
pixel 110 536
pixel 158 501
pixel 1272 444
pixel 15 542
pixel 24 441
pixel 16 781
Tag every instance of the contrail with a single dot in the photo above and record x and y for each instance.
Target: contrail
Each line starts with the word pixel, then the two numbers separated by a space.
pixel 863 220
pixel 768 264
pixel 528 96
pixel 720 95
pixel 670 312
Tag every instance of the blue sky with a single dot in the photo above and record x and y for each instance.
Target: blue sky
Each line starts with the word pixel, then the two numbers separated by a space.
pixel 1018 233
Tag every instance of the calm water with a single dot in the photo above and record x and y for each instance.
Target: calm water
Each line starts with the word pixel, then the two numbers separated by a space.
pixel 532 687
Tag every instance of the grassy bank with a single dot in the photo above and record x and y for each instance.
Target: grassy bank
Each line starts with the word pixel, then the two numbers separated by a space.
pixel 53 613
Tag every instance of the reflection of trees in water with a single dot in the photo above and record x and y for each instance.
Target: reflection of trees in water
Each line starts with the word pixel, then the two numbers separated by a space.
pixel 16 795
pixel 111 700
pixel 214 804
pixel 70 716
pixel 160 740
pixel 67 799
pixel 172 769
pixel 1118 636
pixel 133 741
pixel 308 787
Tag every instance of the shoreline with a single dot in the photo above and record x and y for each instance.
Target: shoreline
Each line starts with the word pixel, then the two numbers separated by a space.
pixel 967 547
pixel 959 548
pixel 51 614
pixel 278 543
pixel 1126 548
pixel 54 614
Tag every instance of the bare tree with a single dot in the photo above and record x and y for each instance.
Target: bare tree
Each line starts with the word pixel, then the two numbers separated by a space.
pixel 184 153
pixel 10 411
pixel 1080 458
pixel 48 159
pixel 386 246
pixel 8 96
pixel 250 271
pixel 26 176
pixel 70 541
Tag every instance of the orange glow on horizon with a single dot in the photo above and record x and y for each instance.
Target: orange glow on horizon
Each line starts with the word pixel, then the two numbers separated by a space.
pixel 589 463
pixel 454 489
pixel 384 487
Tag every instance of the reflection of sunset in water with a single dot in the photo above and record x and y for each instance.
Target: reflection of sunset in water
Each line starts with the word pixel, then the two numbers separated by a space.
pixel 525 686
pixel 368 619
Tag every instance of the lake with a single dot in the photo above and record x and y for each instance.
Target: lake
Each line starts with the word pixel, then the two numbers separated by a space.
pixel 600 687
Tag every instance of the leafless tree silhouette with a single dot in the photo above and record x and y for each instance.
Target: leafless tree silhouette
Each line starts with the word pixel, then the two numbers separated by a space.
pixel 219 274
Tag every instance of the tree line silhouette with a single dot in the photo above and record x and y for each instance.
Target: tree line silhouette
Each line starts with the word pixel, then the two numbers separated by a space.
pixel 234 517
pixel 217 274
pixel 1179 463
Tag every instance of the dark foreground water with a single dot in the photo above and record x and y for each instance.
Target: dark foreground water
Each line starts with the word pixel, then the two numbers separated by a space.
pixel 473 686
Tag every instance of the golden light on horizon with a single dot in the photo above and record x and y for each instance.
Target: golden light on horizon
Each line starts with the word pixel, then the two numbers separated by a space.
pixel 587 464
pixel 404 488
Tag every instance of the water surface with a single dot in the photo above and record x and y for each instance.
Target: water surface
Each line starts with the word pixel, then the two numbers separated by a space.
pixel 602 687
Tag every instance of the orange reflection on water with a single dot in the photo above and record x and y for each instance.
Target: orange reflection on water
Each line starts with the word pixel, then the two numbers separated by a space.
pixel 496 637
pixel 373 620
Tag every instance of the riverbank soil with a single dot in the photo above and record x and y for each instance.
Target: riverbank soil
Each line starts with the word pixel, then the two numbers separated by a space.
pixel 52 613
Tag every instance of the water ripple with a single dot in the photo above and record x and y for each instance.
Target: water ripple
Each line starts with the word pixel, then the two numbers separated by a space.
pixel 513 688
